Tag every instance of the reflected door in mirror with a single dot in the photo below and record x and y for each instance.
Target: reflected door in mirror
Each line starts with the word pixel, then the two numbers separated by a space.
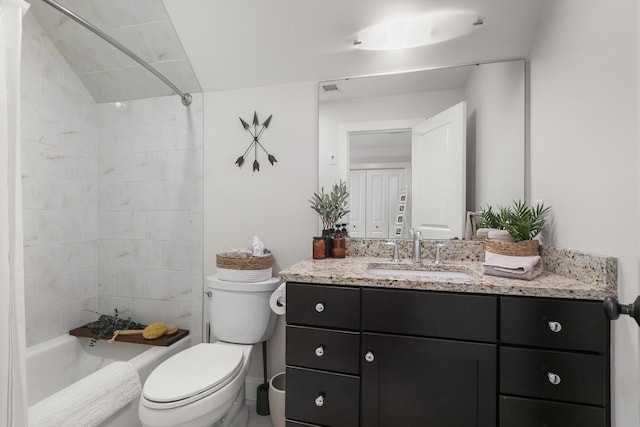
pixel 374 195
pixel 438 164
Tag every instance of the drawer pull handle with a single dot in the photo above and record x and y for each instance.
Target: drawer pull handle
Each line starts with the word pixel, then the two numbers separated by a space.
pixel 554 326
pixel 369 357
pixel 320 307
pixel 320 400
pixel 320 351
pixel 553 378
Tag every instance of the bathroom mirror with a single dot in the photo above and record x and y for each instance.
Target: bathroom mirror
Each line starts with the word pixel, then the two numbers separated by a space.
pixel 367 137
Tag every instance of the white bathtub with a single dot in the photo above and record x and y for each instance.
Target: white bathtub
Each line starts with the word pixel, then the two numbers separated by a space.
pixel 57 363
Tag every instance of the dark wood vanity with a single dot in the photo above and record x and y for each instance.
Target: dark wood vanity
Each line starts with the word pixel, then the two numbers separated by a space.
pixel 382 357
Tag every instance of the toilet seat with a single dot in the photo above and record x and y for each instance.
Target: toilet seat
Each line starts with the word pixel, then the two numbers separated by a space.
pixel 192 375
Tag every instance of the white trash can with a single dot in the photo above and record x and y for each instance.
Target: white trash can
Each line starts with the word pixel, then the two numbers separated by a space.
pixel 277 388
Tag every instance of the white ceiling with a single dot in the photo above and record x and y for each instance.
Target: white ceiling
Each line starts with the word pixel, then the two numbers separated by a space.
pixel 246 43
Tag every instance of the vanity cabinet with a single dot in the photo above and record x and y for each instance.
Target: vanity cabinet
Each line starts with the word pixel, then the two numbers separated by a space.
pixel 382 357
pixel 554 363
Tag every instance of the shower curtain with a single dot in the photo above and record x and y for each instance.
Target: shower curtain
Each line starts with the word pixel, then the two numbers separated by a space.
pixel 13 384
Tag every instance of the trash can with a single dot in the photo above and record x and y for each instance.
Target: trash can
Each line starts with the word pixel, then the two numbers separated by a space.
pixel 277 387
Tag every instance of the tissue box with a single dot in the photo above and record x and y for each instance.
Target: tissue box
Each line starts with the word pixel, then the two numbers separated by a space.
pixel 235 267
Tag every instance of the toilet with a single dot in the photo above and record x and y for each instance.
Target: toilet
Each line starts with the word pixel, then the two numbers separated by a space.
pixel 204 386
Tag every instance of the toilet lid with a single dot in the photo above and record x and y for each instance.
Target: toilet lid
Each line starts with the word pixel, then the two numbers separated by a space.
pixel 193 373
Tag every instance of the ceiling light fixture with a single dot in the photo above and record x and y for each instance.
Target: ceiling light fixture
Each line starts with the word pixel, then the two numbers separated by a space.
pixel 420 30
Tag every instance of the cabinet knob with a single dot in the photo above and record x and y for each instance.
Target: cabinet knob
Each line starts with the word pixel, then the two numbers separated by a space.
pixel 320 307
pixel 369 357
pixel 320 400
pixel 320 351
pixel 554 378
pixel 554 326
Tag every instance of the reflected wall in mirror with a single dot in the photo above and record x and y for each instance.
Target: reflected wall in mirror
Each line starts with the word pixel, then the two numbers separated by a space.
pixel 369 136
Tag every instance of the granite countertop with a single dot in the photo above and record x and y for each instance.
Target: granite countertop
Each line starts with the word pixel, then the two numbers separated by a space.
pixel 352 271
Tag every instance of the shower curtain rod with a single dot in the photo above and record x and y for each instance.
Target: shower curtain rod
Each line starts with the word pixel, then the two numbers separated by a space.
pixel 185 97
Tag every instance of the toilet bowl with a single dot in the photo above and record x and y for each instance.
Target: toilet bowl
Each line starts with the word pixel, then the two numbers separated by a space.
pixel 204 386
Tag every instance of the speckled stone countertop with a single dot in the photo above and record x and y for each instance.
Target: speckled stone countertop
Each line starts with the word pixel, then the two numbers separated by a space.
pixel 583 276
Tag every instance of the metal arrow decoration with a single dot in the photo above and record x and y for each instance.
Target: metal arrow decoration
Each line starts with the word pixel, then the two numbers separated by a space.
pixel 255 130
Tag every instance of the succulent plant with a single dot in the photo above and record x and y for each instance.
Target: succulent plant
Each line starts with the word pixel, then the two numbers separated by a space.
pixel 331 206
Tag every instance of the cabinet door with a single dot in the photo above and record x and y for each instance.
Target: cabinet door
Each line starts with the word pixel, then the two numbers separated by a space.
pixel 408 381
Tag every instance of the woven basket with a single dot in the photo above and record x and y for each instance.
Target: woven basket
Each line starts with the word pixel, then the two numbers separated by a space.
pixel 523 248
pixel 244 263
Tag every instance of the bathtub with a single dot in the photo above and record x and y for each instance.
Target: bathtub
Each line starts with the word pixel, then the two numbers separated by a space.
pixel 57 363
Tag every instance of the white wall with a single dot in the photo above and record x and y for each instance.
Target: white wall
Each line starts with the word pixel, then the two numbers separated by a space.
pixel 495 94
pixel 273 203
pixel 59 153
pixel 584 152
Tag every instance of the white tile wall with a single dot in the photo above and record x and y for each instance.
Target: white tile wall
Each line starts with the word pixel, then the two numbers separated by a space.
pixel 60 154
pixel 150 211
pixel 112 198
pixel 143 26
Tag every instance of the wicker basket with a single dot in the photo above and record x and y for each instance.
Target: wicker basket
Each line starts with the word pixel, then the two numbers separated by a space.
pixel 243 262
pixel 523 248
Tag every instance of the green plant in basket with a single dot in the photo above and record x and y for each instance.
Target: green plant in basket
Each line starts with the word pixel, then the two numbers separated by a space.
pixel 331 206
pixel 522 222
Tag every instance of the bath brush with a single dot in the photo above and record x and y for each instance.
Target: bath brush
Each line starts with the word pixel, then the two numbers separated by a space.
pixel 152 331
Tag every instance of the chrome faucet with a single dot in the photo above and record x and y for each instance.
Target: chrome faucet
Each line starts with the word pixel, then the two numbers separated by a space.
pixel 416 257
pixel 439 246
pixel 395 258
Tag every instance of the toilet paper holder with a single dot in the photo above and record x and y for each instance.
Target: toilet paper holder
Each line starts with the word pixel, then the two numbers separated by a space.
pixel 278 299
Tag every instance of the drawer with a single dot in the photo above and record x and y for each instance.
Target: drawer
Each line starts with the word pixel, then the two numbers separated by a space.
pixel 431 314
pixel 551 323
pixel 579 378
pixel 323 349
pixel 322 398
pixel 517 412
pixel 320 305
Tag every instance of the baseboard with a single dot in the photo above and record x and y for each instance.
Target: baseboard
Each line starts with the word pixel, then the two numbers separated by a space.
pixel 251 387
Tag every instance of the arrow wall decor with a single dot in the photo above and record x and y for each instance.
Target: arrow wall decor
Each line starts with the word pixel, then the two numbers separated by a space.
pixel 255 129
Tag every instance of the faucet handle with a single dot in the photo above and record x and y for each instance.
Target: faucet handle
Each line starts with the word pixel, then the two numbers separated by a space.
pixel 396 258
pixel 439 246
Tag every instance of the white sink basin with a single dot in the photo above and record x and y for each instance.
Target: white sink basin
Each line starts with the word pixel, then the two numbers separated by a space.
pixel 420 273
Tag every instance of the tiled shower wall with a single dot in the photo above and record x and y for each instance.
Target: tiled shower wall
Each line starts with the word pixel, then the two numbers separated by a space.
pixel 60 194
pixel 112 201
pixel 150 210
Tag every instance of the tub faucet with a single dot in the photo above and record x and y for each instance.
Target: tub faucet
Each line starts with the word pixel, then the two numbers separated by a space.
pixel 416 257
pixel 395 258
pixel 439 246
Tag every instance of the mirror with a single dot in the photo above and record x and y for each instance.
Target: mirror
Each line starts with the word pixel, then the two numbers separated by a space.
pixel 366 128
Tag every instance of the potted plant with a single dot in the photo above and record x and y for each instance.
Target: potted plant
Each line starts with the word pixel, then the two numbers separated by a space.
pixel 331 207
pixel 522 222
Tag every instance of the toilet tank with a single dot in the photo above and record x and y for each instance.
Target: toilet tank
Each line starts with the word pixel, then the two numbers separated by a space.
pixel 239 312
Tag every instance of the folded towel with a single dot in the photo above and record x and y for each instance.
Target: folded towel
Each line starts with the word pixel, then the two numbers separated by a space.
pixel 514 267
pixel 89 401
pixel 500 236
pixel 483 233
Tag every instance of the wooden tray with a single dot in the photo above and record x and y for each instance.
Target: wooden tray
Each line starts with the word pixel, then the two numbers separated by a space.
pixel 165 340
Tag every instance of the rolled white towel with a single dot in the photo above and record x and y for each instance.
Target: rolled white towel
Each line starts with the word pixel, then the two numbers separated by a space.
pixel 515 267
pixel 500 236
pixel 89 401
